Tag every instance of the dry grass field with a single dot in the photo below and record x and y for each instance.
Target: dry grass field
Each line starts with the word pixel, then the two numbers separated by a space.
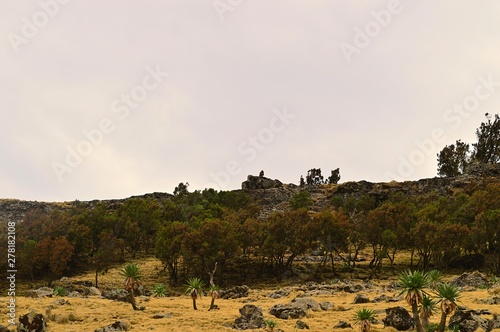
pixel 88 314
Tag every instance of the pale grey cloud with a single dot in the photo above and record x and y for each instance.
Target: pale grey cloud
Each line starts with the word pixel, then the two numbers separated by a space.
pixel 226 80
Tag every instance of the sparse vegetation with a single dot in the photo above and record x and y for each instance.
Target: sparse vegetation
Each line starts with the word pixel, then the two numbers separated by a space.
pixel 364 317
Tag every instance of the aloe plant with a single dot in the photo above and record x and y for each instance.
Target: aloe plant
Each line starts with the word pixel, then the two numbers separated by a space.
pixel 365 317
pixel 194 289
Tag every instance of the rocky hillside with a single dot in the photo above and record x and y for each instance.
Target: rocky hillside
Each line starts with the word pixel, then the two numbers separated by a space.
pixel 273 195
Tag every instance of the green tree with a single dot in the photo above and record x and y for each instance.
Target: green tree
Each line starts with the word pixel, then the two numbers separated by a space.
pixel 133 277
pixel 413 285
pixel 487 148
pixel 334 177
pixel 169 247
pixel 301 200
pixel 194 289
pixel 453 159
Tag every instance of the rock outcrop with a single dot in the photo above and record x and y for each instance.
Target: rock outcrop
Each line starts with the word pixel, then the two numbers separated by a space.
pixel 251 318
pixel 398 318
pixel 260 182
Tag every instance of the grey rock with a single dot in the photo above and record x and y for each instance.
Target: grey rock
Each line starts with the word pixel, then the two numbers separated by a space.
pixel 116 294
pixel 301 325
pixel 234 293
pixel 251 318
pixel 116 326
pixel 32 322
pixel 42 292
pixel 361 299
pixel 287 311
pixel 326 305
pixel 469 320
pixel 306 303
pixel 472 279
pixel 398 318
pixel 162 315
pixel 342 325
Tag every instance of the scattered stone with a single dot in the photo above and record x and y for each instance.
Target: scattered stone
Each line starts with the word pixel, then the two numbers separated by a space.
pixel 260 182
pixel 74 294
pixel 301 325
pixel 116 326
pixel 474 279
pixel 353 288
pixel 287 311
pixel 361 299
pixel 32 322
pixel 41 292
pixel 491 300
pixel 61 302
pixel 306 303
pixel 94 291
pixel 342 325
pixel 279 293
pixel 381 298
pixel 470 320
pixel 398 318
pixel 251 318
pixel 162 315
pixel 235 292
pixel 326 305
pixel 116 294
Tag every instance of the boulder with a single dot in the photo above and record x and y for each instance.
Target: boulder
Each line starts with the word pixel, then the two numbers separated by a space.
pixel 251 318
pixel 260 182
pixel 234 293
pixel 287 311
pixel 74 294
pixel 361 299
pixel 42 292
pixel 94 291
pixel 162 315
pixel 469 320
pixel 473 279
pixel 116 326
pixel 32 322
pixel 398 318
pixel 306 303
pixel 279 293
pixel 326 305
pixel 116 294
pixel 300 325
pixel 342 325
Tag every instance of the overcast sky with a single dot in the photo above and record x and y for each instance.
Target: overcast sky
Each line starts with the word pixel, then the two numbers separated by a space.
pixel 109 99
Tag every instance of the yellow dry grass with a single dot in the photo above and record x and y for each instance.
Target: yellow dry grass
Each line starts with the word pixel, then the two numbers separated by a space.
pixel 88 314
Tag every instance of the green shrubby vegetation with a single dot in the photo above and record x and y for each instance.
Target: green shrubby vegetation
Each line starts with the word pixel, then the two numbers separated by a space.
pixel 191 231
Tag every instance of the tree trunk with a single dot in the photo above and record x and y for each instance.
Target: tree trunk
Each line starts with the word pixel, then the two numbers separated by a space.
pixel 212 304
pixel 442 323
pixel 194 304
pixel 416 318
pixel 132 299
pixel 96 273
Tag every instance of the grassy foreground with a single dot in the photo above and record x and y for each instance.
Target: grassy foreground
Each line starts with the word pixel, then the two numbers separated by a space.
pixel 88 314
